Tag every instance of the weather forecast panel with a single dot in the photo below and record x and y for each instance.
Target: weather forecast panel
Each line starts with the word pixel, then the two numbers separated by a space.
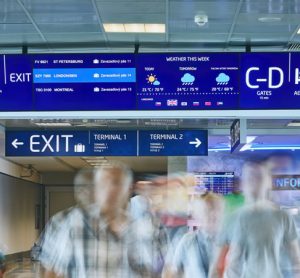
pixel 187 81
pixel 84 82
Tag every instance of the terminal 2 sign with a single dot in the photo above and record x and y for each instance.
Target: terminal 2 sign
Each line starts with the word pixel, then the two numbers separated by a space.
pixel 157 81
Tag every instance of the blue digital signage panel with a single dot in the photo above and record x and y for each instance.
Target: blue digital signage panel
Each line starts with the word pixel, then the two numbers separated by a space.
pixel 84 82
pixel 15 83
pixel 71 143
pixel 268 81
pixel 187 81
pixel 194 81
pixel 173 143
pixel 294 77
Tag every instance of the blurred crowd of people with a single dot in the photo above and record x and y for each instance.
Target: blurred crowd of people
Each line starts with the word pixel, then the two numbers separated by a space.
pixel 163 227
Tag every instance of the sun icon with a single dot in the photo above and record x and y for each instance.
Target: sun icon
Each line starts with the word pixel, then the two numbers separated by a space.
pixel 151 78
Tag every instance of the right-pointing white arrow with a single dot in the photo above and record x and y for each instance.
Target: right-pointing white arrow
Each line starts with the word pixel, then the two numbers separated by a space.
pixel 197 142
pixel 15 143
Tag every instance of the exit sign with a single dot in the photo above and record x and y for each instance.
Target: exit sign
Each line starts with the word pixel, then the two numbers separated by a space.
pixel 71 143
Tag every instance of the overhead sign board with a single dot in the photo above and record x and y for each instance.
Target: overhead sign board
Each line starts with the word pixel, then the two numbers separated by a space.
pixel 71 143
pixel 84 82
pixel 106 143
pixel 190 81
pixel 173 143
pixel 157 81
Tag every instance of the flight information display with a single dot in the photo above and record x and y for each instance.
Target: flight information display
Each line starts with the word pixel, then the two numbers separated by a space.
pixel 217 182
pixel 187 81
pixel 157 81
pixel 84 82
pixel 270 81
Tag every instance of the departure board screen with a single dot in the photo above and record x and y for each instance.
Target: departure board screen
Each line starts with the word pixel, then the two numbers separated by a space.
pixel 84 82
pixel 194 81
pixel 149 81
pixel 217 182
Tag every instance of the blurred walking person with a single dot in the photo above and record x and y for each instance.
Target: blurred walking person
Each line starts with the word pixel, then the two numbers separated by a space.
pixel 260 232
pixel 98 238
pixel 195 251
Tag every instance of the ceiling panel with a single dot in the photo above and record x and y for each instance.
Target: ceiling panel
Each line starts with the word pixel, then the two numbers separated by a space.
pixel 230 23
pixel 61 7
pixel 68 18
pixel 70 37
pixel 14 28
pixel 19 38
pixel 69 28
pixel 132 11
pixel 42 164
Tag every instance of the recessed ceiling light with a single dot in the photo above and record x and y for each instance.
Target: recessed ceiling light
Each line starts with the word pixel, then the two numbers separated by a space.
pixel 134 28
pixel 155 28
pixel 298 32
pixel 269 19
pixel 114 28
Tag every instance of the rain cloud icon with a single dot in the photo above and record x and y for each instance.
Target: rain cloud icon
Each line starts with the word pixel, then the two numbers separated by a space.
pixel 222 79
pixel 187 79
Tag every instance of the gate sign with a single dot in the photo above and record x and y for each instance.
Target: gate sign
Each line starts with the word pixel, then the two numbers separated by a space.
pixel 71 143
pixel 269 81
pixel 173 143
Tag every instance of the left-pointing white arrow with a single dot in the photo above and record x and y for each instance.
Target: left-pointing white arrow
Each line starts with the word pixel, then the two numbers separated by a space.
pixel 197 142
pixel 15 143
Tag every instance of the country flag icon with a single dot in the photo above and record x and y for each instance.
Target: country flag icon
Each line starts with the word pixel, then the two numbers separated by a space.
pixel 220 103
pixel 172 102
pixel 207 103
pixel 158 103
pixel 196 103
pixel 184 103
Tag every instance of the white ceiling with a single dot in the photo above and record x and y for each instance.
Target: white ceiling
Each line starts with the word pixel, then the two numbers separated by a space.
pixel 71 24
pixel 72 164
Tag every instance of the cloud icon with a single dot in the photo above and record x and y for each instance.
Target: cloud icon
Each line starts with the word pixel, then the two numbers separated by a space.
pixel 156 83
pixel 222 78
pixel 187 78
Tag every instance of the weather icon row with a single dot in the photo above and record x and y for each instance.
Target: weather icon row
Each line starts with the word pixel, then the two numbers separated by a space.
pixel 189 79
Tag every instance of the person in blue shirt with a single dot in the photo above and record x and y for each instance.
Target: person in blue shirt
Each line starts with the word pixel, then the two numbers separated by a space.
pixel 195 251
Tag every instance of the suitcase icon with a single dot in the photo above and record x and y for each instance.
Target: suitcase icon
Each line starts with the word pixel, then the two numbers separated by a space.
pixel 79 148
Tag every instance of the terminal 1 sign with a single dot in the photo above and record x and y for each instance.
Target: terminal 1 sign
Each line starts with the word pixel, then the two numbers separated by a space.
pixel 158 81
pixel 106 143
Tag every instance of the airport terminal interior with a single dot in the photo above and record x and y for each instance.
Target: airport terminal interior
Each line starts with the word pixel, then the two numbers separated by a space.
pixel 149 138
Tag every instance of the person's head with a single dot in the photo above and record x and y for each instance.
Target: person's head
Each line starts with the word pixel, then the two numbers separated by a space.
pixel 176 193
pixel 112 186
pixel 107 187
pixel 281 163
pixel 208 209
pixel 256 181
